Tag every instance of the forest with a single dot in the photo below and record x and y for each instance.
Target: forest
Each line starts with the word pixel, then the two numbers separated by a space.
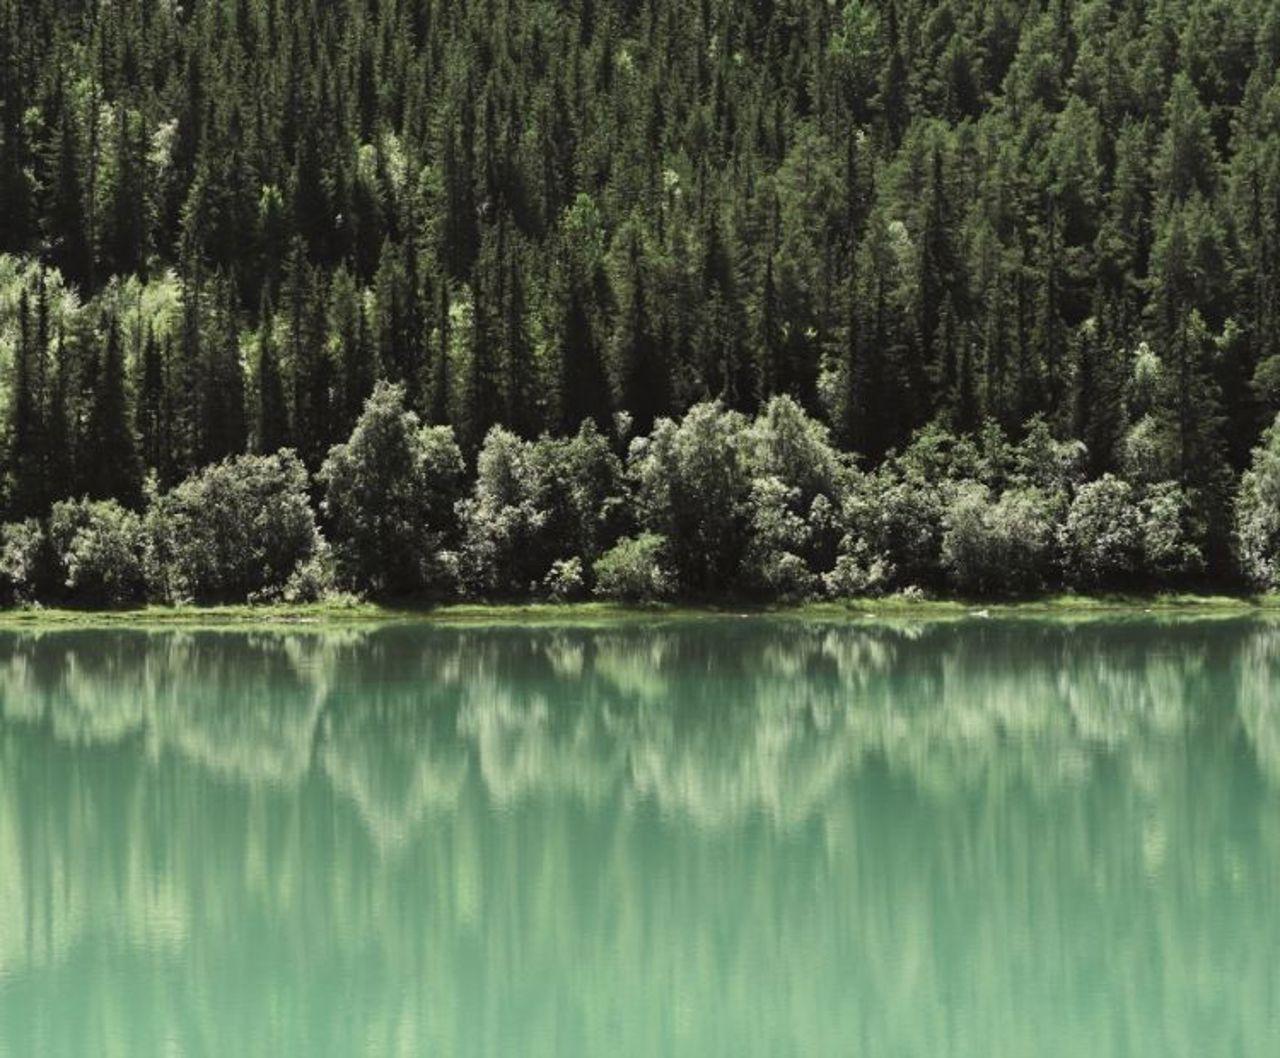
pixel 637 298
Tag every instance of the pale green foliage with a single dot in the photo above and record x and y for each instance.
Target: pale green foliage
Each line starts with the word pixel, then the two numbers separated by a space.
pixel 537 503
pixel 1101 539
pixel 797 477
pixel 1144 454
pixel 785 443
pixel 1001 546
pixel 98 547
pixel 502 520
pixel 314 579
pixel 565 582
pixel 1171 548
pixel 1045 463
pixel 580 484
pixel 1146 380
pixel 389 496
pixel 153 307
pixel 1258 513
pixel 635 570
pixel 775 566
pixel 694 486
pixel 895 526
pixel 858 572
pixel 24 560
pixel 234 531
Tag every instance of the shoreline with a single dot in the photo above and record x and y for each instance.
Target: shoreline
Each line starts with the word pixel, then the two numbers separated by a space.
pixel 586 613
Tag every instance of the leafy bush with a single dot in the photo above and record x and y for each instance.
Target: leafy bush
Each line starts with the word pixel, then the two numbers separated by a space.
pixel 694 487
pixel 235 531
pixel 787 444
pixel 536 504
pixel 24 561
pixel 503 550
pixel 1145 452
pixel 98 547
pixel 997 547
pixel 1101 538
pixel 858 572
pixel 389 497
pixel 1043 462
pixel 775 566
pixel 314 579
pixel 1258 513
pixel 896 525
pixel 1172 535
pixel 565 582
pixel 635 570
pixel 579 482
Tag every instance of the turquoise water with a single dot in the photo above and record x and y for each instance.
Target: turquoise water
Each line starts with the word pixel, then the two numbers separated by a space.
pixel 718 837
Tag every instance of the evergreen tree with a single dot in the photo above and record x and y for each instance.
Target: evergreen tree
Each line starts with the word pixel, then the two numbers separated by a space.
pixel 25 456
pixel 111 467
pixel 639 374
pixel 151 406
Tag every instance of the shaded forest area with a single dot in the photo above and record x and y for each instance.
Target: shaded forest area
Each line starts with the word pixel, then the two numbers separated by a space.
pixel 958 237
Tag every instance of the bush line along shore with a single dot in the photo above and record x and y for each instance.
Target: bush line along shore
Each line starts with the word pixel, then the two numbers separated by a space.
pixel 713 506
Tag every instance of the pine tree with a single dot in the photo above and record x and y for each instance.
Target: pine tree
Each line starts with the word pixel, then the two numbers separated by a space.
pixel 271 423
pixel 640 375
pixel 150 408
pixel 67 223
pixel 223 421
pixel 25 455
pixel 111 465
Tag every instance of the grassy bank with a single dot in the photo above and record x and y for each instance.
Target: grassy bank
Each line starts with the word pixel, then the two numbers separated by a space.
pixel 896 606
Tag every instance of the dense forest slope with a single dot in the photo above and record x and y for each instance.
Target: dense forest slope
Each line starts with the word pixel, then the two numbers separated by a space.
pixel 1045 234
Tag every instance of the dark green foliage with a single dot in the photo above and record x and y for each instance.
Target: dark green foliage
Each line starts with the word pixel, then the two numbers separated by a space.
pixel 224 222
pixel 111 467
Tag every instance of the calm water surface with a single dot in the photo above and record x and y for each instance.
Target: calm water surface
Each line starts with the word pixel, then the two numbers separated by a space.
pixel 727 837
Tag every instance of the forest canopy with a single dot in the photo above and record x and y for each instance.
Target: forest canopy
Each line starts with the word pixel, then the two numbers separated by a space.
pixel 767 296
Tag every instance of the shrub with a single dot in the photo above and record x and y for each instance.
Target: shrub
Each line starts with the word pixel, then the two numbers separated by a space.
pixel 536 504
pixel 1144 452
pixel 1257 526
pixel 579 482
pixel 1043 462
pixel 1000 546
pixel 503 550
pixel 635 570
pixel 564 582
pixel 1172 536
pixel 857 572
pixel 98 547
pixel 234 531
pixel 24 561
pixel 897 525
pixel 313 580
pixel 780 536
pixel 785 443
pixel 389 497
pixel 1102 536
pixel 693 490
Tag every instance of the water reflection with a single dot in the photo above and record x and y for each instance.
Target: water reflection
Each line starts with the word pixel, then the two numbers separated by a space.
pixel 719 837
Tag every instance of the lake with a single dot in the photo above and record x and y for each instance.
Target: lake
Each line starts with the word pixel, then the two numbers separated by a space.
pixel 702 837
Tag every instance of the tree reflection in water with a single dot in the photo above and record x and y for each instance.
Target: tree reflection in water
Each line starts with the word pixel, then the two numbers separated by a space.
pixel 713 837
